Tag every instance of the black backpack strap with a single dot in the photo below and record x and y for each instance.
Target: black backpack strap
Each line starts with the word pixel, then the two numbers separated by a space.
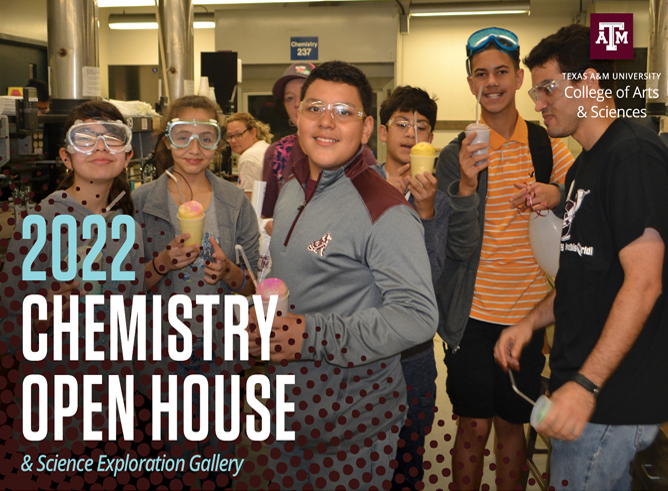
pixel 461 137
pixel 541 152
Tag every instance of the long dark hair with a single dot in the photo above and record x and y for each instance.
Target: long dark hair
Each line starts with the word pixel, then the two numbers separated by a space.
pixel 101 110
pixel 163 154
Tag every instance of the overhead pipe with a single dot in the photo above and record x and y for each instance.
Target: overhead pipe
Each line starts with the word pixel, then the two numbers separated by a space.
pixel 73 52
pixel 175 21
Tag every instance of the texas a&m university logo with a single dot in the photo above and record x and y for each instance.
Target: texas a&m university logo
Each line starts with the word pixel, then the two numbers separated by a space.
pixel 611 37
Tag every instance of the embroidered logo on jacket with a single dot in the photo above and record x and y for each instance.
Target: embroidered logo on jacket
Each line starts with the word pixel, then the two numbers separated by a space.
pixel 319 246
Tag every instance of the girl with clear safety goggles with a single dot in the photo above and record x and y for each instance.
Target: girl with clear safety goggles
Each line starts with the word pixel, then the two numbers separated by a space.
pixel 195 205
pixel 97 151
pixel 87 249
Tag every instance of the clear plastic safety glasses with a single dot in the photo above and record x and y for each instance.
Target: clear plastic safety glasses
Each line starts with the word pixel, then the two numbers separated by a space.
pixel 82 136
pixel 182 133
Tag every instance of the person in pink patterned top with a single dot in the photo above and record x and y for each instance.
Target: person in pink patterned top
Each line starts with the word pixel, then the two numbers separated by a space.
pixel 277 167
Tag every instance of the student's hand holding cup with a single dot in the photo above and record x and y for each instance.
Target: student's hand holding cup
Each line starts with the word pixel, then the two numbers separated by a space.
pixel 423 188
pixel 286 338
pixel 176 255
pixel 471 165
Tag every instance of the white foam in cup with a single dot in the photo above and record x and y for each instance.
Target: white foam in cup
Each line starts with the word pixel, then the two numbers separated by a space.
pixel 482 136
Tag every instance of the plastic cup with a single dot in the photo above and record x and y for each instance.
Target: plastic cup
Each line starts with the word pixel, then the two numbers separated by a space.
pixel 482 136
pixel 274 286
pixel 421 164
pixel 193 227
pixel 538 413
pixel 282 306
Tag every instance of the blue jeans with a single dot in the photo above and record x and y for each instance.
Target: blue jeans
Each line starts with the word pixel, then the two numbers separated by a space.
pixel 420 374
pixel 600 458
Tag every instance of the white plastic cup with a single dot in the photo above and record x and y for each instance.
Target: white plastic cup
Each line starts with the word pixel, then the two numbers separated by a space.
pixel 421 164
pixel 543 406
pixel 482 136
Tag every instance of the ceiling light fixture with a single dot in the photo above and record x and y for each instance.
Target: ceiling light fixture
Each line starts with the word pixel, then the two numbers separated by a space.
pixel 469 8
pixel 151 3
pixel 147 21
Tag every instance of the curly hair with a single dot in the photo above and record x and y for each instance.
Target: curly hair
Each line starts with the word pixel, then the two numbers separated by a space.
pixel 263 129
pixel 569 47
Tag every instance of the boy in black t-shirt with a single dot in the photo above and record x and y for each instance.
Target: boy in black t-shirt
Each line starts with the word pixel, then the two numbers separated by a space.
pixel 611 318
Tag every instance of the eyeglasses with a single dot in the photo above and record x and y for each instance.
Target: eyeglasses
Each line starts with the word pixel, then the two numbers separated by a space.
pixel 82 136
pixel 548 91
pixel 315 110
pixel 505 40
pixel 404 124
pixel 236 136
pixel 182 133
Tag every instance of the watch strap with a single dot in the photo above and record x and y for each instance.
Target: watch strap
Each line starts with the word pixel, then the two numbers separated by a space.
pixel 583 381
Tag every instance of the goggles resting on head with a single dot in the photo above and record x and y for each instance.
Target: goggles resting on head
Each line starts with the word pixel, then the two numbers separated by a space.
pixel 182 133
pixel 503 39
pixel 314 110
pixel 82 136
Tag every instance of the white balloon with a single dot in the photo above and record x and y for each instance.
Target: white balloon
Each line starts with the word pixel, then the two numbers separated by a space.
pixel 545 237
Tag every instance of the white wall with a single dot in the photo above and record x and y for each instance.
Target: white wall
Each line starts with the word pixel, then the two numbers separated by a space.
pixel 640 11
pixel 433 55
pixel 24 18
pixel 356 33
pixel 140 47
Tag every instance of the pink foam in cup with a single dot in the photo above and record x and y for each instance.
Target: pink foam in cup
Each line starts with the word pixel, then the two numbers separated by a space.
pixel 275 286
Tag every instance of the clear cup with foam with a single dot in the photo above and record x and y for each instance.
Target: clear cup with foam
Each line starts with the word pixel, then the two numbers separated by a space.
pixel 274 286
pixel 423 157
pixel 191 219
pixel 482 136
pixel 540 410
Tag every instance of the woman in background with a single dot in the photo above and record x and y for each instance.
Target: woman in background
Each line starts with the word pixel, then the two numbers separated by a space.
pixel 277 167
pixel 250 139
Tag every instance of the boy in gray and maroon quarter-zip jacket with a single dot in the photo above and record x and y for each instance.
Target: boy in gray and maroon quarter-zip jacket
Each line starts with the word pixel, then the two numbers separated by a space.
pixel 351 251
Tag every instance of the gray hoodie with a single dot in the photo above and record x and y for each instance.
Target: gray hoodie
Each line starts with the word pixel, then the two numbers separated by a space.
pixel 354 260
pixel 60 203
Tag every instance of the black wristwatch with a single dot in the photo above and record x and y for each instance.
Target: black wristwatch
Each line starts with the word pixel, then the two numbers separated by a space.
pixel 583 381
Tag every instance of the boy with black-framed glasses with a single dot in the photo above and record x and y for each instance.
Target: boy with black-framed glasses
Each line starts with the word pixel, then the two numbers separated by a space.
pixel 500 282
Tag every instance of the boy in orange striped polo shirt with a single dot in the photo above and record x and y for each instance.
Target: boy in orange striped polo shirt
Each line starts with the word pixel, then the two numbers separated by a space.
pixel 501 282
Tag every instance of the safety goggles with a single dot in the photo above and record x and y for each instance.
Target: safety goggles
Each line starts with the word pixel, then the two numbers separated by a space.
pixel 548 91
pixel 82 136
pixel 503 39
pixel 182 133
pixel 404 124
pixel 314 110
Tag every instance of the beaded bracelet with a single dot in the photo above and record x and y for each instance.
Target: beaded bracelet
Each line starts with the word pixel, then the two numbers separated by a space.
pixel 243 271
